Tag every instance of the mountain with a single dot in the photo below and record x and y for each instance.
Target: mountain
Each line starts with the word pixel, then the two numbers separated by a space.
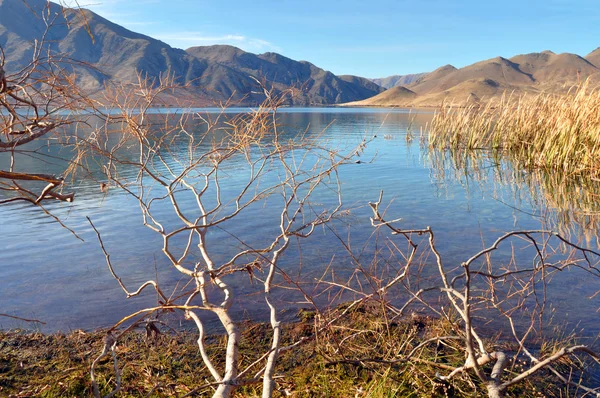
pixel 526 73
pixel 398 80
pixel 116 52
pixel 395 96
pixel 312 84
pixel 106 52
pixel 362 81
pixel 472 90
pixel 594 57
pixel 552 71
pixel 498 69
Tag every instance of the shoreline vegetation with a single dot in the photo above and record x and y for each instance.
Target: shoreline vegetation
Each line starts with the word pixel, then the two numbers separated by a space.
pixel 391 357
pixel 556 133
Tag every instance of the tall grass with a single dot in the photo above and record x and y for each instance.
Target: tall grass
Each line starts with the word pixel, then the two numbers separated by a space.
pixel 555 132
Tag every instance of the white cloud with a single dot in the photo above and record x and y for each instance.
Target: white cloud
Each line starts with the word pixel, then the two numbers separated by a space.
pixel 108 4
pixel 125 13
pixel 117 11
pixel 188 39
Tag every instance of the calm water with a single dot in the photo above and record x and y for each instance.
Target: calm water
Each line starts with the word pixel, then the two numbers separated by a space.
pixel 48 274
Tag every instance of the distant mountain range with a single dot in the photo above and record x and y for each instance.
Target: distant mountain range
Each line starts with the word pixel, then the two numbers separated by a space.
pixel 398 80
pixel 212 73
pixel 527 73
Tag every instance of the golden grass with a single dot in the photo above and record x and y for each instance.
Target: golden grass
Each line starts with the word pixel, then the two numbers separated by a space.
pixel 547 131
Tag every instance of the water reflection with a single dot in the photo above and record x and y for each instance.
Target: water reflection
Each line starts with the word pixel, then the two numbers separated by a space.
pixel 48 274
pixel 569 205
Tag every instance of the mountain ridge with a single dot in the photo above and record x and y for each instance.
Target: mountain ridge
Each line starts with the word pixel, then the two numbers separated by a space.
pixel 398 80
pixel 116 54
pixel 484 80
pixel 107 52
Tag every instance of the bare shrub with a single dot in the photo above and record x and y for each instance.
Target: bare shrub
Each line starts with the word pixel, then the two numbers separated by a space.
pixel 195 181
pixel 496 310
pixel 37 102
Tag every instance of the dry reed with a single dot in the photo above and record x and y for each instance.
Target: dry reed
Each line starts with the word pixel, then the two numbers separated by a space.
pixel 546 131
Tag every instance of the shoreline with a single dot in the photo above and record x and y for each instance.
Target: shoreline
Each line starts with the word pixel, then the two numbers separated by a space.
pixel 158 363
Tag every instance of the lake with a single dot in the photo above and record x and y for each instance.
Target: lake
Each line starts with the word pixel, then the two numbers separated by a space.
pixel 46 273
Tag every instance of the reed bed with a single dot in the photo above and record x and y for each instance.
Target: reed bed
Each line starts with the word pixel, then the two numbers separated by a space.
pixel 547 131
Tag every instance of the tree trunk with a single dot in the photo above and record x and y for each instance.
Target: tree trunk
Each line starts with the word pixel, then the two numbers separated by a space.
pixel 494 390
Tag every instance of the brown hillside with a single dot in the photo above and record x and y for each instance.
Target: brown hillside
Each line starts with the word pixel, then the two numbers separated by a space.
pixel 497 69
pixel 554 72
pixel 533 62
pixel 474 90
pixel 594 57
pixel 485 80
pixel 395 96
pixel 211 74
pixel 398 80
pixel 430 80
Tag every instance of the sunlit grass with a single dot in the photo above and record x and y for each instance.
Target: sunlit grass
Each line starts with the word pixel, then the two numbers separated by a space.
pixel 547 131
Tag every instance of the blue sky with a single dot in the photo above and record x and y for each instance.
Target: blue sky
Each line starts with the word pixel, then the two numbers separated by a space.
pixel 373 38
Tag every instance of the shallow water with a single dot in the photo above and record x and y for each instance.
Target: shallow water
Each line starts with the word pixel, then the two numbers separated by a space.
pixel 48 274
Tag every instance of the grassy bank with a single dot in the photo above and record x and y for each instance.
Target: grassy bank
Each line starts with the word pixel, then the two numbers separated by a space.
pixel 361 355
pixel 547 131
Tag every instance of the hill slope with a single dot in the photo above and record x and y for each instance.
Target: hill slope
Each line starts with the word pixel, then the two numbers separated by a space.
pixel 395 96
pixel 526 73
pixel 594 57
pixel 498 69
pixel 398 80
pixel 312 84
pixel 552 72
pixel 116 54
